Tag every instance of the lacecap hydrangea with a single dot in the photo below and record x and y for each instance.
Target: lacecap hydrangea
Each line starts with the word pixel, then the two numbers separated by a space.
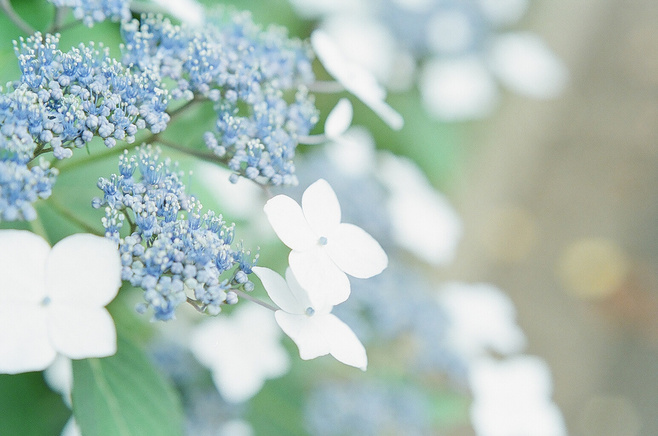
pixel 170 246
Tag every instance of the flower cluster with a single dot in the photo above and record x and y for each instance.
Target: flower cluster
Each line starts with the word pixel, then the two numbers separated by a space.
pixel 86 93
pixel 96 11
pixel 64 100
pixel 324 252
pixel 247 72
pixel 171 246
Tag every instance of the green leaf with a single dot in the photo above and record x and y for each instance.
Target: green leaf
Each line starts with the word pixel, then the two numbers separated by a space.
pixel 124 395
pixel 28 407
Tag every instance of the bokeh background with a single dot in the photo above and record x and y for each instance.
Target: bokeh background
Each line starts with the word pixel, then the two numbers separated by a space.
pixel 557 197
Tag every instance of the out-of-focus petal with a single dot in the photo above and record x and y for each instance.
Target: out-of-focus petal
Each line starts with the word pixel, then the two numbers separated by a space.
pixel 356 252
pixel 71 428
pixel 526 65
pixel 324 282
pixel 288 221
pixel 279 291
pixel 343 343
pixel 457 89
pixel 356 79
pixel 22 259
pixel 305 332
pixel 59 377
pixel 339 119
pixel 79 332
pixel 85 270
pixel 24 342
pixel 321 208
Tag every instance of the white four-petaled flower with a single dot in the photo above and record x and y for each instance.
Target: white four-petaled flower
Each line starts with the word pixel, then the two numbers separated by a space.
pixel 53 300
pixel 314 329
pixel 323 248
pixel 242 351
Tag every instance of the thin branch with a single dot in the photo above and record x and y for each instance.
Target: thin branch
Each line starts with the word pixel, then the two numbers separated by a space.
pixel 58 19
pixel 255 300
pixel 326 87
pixel 5 5
pixel 71 217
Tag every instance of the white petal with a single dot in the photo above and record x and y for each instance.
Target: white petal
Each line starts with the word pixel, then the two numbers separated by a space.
pixel 339 119
pixel 324 282
pixel 24 342
pixel 279 291
pixel 288 221
pixel 356 79
pixel 321 208
pixel 84 269
pixel 59 377
pixel 22 266
pixel 355 252
pixel 457 89
pixel 343 343
pixel 525 64
pixel 79 332
pixel 71 428
pixel 305 332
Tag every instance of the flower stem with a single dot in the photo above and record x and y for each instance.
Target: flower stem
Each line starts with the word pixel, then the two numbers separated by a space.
pixel 326 87
pixel 60 209
pixel 5 5
pixel 255 300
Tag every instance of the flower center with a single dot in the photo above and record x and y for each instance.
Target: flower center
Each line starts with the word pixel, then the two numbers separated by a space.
pixel 322 240
pixel 46 301
pixel 310 311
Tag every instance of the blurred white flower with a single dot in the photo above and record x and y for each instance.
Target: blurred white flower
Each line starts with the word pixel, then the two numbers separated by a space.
pixel 512 397
pixel 481 319
pixel 53 300
pixel 236 427
pixel 423 221
pixel 457 89
pixel 313 327
pixel 526 65
pixel 356 79
pixel 353 153
pixel 324 250
pixel 241 350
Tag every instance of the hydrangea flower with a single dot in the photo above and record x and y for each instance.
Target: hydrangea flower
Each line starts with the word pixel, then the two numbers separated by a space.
pixel 324 250
pixel 53 300
pixel 312 326
pixel 171 247
pixel 242 351
pixel 255 77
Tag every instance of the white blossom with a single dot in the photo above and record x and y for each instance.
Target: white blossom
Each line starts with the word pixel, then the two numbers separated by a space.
pixel 324 250
pixel 313 327
pixel 53 300
pixel 241 350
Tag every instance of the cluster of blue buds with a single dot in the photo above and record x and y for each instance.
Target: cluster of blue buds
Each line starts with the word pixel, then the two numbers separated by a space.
pixel 86 93
pixel 171 248
pixel 21 119
pixel 95 11
pixel 249 73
